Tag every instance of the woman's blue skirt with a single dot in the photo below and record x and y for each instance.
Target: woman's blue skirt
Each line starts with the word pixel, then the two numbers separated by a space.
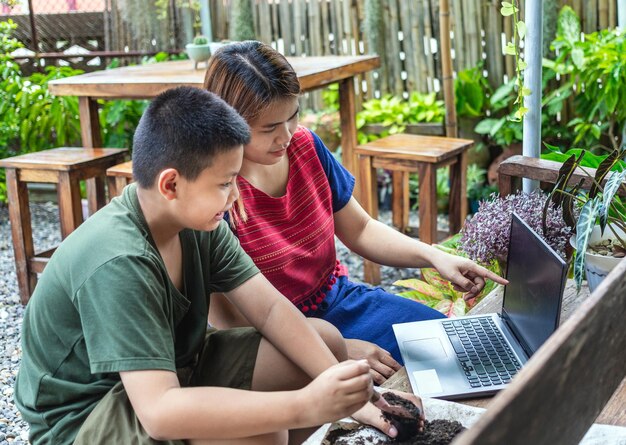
pixel 367 313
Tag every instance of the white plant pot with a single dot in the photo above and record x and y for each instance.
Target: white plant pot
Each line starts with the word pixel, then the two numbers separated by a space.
pixel 597 267
pixel 198 53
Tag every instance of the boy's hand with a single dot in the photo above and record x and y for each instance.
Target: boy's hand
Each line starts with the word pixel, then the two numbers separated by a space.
pixel 370 415
pixel 338 391
pixel 382 363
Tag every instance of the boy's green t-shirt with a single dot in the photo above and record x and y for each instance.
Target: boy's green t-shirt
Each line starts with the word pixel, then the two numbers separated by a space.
pixel 105 304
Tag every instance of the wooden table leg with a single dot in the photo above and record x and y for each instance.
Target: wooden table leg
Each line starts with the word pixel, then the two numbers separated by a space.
pixel 91 138
pixel 427 202
pixel 70 207
pixel 369 201
pixel 347 116
pixel 116 184
pixel 458 193
pixel 400 200
pixel 22 234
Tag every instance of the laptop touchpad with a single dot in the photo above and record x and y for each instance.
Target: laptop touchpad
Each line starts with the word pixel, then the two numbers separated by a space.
pixel 424 349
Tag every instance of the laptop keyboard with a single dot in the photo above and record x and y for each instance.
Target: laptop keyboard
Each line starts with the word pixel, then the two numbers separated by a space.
pixel 486 357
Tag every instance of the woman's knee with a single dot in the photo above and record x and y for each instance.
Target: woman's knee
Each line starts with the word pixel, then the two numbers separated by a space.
pixel 331 336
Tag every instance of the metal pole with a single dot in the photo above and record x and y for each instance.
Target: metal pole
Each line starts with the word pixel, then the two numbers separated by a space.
pixel 205 19
pixel 532 80
pixel 621 14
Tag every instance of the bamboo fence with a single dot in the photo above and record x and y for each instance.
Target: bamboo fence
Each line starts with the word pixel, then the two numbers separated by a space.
pixel 410 58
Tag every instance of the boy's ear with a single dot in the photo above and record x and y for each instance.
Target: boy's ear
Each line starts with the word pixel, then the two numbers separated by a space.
pixel 167 182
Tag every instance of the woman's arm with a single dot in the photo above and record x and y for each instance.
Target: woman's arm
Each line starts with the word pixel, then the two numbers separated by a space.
pixel 382 244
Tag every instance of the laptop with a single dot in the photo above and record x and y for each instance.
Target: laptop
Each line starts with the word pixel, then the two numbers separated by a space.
pixel 479 355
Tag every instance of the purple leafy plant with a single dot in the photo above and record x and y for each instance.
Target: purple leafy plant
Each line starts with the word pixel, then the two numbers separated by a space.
pixel 485 237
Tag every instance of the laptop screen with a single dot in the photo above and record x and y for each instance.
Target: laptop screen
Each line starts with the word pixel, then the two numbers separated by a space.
pixel 532 299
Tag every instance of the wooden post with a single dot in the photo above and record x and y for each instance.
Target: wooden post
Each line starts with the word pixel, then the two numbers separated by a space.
pixel 21 231
pixel 427 210
pixel 369 201
pixel 347 113
pixel 446 67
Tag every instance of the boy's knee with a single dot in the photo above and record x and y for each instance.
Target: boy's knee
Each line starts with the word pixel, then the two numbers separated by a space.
pixel 331 336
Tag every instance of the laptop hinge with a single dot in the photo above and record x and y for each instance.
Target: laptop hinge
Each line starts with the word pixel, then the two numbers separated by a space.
pixel 520 341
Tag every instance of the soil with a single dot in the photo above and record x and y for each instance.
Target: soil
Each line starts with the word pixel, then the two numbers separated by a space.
pixel 608 247
pixel 436 432
pixel 407 426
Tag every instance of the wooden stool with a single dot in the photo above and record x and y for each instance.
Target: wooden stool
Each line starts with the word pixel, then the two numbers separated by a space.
pixel 119 176
pixel 405 153
pixel 64 167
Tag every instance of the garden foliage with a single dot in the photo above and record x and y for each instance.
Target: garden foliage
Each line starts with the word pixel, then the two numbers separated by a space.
pixel 485 237
pixel 395 113
pixel 601 205
pixel 32 119
pixel 436 292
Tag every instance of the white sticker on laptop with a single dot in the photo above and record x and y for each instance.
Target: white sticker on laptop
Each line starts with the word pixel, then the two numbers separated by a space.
pixel 427 382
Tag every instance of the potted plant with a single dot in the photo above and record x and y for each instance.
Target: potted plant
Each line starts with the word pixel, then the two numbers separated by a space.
pixel 598 216
pixel 199 50
pixel 485 237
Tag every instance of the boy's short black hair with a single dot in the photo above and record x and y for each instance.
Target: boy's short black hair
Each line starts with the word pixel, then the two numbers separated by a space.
pixel 184 128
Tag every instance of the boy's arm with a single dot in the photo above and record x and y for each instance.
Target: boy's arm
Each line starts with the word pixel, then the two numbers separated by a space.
pixel 282 324
pixel 167 411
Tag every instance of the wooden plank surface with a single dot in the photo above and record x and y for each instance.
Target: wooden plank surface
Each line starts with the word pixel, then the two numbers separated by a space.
pixel 542 170
pixel 431 149
pixel 63 159
pixel 147 81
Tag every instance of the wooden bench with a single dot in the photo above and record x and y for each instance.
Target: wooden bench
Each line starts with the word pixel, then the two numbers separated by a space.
pixel 65 167
pixel 404 154
pixel 511 170
pixel 118 177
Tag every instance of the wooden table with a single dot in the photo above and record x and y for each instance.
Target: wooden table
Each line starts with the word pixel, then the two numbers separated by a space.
pixel 614 412
pixel 147 81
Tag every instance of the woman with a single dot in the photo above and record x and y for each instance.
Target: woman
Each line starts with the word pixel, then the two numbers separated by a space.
pixel 295 197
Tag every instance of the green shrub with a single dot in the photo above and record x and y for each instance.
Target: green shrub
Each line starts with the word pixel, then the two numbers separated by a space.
pixel 595 67
pixel 32 119
pixel 394 113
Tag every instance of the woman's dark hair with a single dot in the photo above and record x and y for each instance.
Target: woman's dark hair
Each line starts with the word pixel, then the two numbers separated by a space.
pixel 184 128
pixel 250 76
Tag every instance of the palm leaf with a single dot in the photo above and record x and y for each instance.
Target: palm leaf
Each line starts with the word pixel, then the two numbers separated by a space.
pixel 565 173
pixel 452 309
pixel 586 222
pixel 421 287
pixel 434 278
pixel 420 298
pixel 610 189
pixel 603 169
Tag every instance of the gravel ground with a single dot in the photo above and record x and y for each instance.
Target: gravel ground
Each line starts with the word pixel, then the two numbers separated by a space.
pixel 13 430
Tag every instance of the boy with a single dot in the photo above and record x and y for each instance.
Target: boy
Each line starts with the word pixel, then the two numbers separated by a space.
pixel 114 347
